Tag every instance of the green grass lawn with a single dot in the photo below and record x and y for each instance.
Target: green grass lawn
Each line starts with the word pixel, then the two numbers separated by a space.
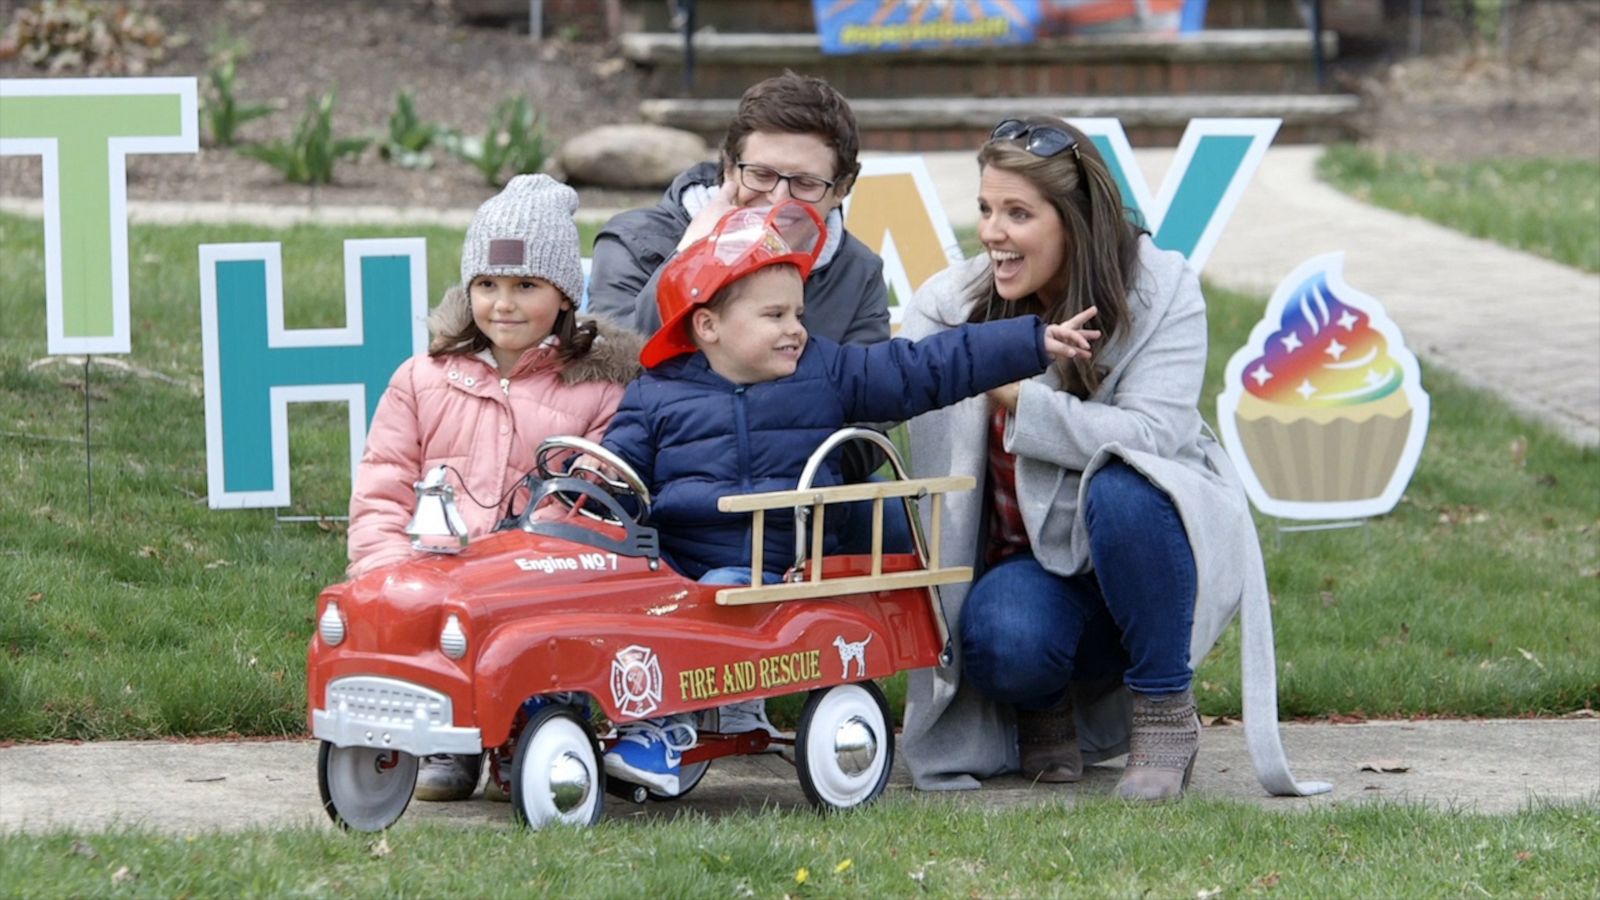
pixel 1547 207
pixel 155 615
pixel 903 846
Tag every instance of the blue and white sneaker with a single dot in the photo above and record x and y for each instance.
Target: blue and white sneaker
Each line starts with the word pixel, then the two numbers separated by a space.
pixel 650 752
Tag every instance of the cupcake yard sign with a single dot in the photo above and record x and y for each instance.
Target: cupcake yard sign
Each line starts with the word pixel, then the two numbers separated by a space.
pixel 1323 409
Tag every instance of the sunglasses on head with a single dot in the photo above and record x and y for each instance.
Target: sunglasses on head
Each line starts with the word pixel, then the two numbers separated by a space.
pixel 1040 140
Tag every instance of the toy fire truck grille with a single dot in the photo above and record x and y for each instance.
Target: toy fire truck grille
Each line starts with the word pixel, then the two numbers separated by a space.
pixel 386 701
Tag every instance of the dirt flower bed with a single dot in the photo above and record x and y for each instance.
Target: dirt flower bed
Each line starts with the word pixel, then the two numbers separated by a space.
pixel 297 49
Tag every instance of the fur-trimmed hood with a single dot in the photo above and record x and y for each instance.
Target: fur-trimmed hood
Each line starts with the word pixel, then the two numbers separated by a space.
pixel 613 357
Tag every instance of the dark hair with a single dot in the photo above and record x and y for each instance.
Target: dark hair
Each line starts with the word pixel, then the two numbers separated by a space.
pixel 1102 244
pixel 797 104
pixel 454 331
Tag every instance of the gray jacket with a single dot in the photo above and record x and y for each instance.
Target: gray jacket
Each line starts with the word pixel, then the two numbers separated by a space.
pixel 846 299
pixel 1146 413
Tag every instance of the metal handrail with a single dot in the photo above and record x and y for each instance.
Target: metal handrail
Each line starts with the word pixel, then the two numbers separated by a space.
pixel 814 463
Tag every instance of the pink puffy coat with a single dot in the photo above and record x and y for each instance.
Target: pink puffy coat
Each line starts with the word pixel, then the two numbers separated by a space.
pixel 456 410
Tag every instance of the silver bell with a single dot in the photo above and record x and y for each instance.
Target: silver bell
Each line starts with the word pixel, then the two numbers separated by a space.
pixel 436 526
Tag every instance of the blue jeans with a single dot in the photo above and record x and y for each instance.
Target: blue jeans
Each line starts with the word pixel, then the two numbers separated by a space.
pixel 1025 632
pixel 855 536
pixel 736 575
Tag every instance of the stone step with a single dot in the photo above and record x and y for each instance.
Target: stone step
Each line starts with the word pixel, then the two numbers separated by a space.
pixel 1215 62
pixel 796 15
pixel 941 123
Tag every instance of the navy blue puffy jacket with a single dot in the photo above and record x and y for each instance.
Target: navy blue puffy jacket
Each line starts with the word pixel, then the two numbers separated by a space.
pixel 694 436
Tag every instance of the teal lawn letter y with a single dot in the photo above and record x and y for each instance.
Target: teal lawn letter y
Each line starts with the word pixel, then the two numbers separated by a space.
pixel 1213 163
pixel 84 129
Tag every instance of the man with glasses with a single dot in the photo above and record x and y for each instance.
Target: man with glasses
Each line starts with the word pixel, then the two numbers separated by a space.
pixel 793 137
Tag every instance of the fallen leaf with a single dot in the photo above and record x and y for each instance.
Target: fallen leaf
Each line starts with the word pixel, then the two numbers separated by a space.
pixel 1208 893
pixel 1531 658
pixel 1341 719
pixel 35 597
pixel 205 780
pixel 1269 880
pixel 380 848
pixel 1523 856
pixel 801 875
pixel 219 563
pixel 79 848
pixel 843 866
pixel 149 552
pixel 122 875
pixel 1519 452
pixel 1383 765
pixel 1582 714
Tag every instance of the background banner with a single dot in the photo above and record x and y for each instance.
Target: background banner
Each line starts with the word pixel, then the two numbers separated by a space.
pixel 867 26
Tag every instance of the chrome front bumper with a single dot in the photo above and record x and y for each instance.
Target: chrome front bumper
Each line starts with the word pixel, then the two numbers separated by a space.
pixel 390 714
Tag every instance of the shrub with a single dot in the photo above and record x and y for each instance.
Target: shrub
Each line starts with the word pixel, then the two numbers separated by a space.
pixel 221 110
pixel 308 157
pixel 513 144
pixel 74 36
pixel 409 136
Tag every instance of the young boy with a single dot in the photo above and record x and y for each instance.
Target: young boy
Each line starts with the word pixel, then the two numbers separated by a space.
pixel 736 397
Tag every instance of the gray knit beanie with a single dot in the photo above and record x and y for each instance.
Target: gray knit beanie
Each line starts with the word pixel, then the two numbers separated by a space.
pixel 526 229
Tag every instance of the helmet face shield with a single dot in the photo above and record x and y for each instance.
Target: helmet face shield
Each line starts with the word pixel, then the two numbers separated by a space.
pixel 744 240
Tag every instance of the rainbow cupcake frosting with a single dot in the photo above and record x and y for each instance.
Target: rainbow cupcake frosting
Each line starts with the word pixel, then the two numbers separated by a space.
pixel 1324 408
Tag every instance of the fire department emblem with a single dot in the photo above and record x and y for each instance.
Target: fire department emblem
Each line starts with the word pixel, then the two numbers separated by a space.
pixel 636 681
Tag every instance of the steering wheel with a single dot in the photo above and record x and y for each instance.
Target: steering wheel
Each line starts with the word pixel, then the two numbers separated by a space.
pixel 626 482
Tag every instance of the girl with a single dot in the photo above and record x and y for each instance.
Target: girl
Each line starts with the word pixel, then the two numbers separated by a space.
pixel 508 366
pixel 1112 539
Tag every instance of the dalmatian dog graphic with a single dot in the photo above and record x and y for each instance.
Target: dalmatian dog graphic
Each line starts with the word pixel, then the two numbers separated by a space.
pixel 852 650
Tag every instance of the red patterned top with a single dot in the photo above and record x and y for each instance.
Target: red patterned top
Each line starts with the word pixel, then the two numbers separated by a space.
pixel 1007 534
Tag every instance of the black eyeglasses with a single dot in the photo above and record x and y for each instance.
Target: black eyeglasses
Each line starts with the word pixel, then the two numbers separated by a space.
pixel 1040 140
pixel 757 177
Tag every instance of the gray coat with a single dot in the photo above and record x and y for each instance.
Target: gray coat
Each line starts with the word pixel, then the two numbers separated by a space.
pixel 1146 413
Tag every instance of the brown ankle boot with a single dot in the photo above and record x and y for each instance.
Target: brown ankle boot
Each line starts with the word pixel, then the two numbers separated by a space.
pixel 1048 741
pixel 1161 748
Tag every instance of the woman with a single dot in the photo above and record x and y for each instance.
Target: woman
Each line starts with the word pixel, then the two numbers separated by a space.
pixel 1111 536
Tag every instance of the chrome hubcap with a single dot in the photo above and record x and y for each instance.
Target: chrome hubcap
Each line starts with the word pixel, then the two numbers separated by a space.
pixel 854 746
pixel 570 782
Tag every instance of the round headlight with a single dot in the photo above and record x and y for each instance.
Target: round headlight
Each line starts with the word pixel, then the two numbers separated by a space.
pixel 452 640
pixel 331 625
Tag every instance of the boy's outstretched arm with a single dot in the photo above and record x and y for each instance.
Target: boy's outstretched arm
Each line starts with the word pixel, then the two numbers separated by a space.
pixel 899 379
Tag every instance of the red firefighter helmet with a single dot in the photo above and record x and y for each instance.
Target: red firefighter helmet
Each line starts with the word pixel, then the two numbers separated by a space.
pixel 744 240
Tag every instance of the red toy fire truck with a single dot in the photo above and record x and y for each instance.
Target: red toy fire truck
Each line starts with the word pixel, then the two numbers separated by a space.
pixel 507 644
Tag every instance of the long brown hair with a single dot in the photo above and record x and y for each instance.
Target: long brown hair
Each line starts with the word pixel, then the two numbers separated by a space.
pixel 1102 244
pixel 453 330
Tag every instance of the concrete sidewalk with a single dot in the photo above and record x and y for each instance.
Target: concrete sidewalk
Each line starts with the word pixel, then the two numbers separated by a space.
pixel 1494 766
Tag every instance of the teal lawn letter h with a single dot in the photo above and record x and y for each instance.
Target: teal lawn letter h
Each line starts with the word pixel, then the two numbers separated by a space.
pixel 255 367
pixel 84 129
